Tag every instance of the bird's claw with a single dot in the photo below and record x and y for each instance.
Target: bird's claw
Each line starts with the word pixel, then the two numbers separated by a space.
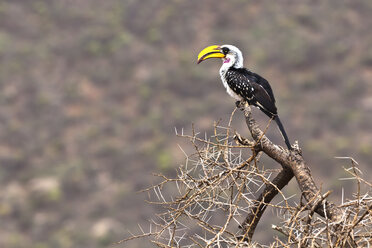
pixel 240 104
pixel 241 140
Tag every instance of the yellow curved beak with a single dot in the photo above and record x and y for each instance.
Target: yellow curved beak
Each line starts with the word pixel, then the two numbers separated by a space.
pixel 210 52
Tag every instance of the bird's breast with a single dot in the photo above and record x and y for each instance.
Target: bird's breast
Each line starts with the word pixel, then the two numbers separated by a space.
pixel 230 91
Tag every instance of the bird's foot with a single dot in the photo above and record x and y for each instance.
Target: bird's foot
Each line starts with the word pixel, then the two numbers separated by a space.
pixel 240 104
pixel 241 140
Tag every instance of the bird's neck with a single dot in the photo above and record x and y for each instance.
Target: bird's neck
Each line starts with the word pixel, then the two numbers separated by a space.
pixel 238 64
pixel 225 67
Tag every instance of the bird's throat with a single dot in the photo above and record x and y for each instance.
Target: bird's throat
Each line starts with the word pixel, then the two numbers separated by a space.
pixel 226 60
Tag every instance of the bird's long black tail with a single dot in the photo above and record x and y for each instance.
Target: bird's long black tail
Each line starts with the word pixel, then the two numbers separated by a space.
pixel 284 134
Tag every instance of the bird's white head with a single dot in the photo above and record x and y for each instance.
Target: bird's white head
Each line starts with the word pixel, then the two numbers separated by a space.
pixel 231 55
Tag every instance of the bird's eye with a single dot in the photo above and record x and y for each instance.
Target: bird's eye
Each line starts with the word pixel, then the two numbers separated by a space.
pixel 225 50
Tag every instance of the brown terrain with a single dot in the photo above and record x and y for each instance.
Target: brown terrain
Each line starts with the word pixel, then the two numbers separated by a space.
pixel 91 92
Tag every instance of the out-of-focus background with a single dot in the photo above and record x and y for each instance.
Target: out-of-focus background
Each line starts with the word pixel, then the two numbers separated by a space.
pixel 91 91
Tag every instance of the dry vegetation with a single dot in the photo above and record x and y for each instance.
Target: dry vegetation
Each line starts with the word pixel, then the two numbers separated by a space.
pixel 220 196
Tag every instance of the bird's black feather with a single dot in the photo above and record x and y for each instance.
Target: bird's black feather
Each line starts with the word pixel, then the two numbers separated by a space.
pixel 282 131
pixel 253 88
pixel 257 91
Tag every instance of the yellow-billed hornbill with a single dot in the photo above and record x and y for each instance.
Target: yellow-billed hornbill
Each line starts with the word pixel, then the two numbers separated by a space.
pixel 242 84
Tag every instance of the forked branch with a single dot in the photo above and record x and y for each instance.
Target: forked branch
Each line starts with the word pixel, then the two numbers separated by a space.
pixel 292 163
pixel 215 191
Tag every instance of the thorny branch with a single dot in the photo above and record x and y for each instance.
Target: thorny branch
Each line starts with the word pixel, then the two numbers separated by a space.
pixel 291 161
pixel 222 186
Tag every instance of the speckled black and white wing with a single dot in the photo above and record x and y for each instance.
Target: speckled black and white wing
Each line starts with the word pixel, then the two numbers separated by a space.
pixel 263 95
pixel 238 81
pixel 253 88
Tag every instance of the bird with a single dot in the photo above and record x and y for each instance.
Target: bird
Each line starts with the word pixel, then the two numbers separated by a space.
pixel 243 84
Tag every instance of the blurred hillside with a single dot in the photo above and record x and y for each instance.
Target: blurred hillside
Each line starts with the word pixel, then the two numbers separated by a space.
pixel 92 90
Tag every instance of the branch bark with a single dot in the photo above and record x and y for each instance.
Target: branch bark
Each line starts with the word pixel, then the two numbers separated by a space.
pixel 292 164
pixel 250 223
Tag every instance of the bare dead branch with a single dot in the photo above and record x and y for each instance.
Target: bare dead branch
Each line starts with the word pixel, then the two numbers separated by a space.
pixel 250 223
pixel 291 160
pixel 222 186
